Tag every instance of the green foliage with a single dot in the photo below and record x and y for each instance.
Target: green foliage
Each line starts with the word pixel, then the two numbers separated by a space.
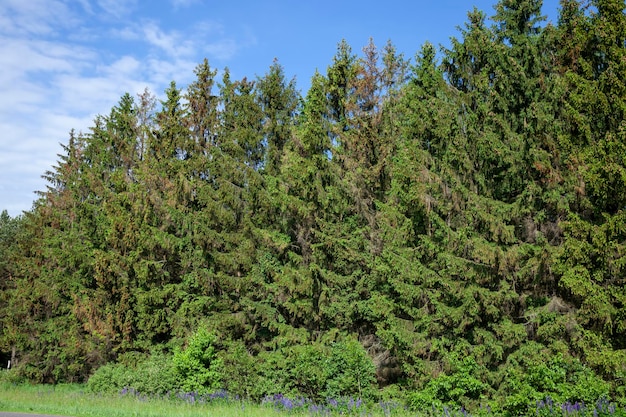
pixel 316 371
pixel 241 370
pixel 10 376
pixel 534 373
pixel 193 369
pixel 198 367
pixel 151 375
pixel 461 386
pixel 465 216
pixel 348 371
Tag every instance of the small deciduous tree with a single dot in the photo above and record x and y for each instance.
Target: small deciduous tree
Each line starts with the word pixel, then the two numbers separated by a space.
pixel 198 366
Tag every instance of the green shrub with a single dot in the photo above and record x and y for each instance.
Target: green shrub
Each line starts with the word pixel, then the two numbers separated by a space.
pixel 153 375
pixel 11 376
pixel 585 386
pixel 109 378
pixel 534 372
pixel 423 400
pixel 316 371
pixel 274 375
pixel 193 369
pixel 198 367
pixel 240 373
pixel 308 369
pixel 461 386
pixel 349 371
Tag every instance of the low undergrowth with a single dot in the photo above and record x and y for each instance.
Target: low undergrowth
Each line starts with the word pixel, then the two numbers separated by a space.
pixel 73 400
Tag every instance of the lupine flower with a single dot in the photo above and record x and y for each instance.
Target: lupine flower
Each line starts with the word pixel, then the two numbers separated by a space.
pixel 219 395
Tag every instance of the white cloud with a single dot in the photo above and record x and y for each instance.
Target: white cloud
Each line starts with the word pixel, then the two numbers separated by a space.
pixel 86 6
pixel 178 4
pixel 214 41
pixel 126 33
pixel 25 56
pixel 117 8
pixel 35 17
pixel 126 66
pixel 162 72
pixel 224 49
pixel 61 66
pixel 171 43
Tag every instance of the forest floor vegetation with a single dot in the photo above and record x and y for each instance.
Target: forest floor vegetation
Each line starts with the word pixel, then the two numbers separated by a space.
pixel 76 400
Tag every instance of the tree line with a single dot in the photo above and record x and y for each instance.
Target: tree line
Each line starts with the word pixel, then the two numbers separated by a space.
pixel 461 215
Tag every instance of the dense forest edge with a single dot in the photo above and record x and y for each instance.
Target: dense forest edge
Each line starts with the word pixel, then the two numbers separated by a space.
pixel 448 229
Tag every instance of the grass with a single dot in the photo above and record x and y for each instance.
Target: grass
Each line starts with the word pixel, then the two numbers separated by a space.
pixel 72 400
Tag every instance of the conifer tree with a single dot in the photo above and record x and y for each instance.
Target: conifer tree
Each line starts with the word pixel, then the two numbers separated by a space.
pixel 463 218
pixel 307 178
pixel 202 104
pixel 587 262
pixel 278 100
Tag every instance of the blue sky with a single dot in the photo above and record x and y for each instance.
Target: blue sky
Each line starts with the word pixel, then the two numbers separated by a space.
pixel 65 61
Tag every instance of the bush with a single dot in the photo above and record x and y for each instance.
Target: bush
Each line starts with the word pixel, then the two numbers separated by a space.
pixel 153 375
pixel 316 371
pixel 349 371
pixel 10 376
pixel 462 386
pixel 308 369
pixel 198 367
pixel 423 400
pixel 274 374
pixel 534 372
pixel 109 378
pixel 240 371
pixel 195 369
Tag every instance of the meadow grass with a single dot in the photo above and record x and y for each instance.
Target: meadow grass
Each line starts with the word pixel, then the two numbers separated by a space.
pixel 72 400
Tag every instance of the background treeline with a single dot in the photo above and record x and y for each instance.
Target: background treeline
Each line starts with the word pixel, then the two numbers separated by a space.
pixel 461 215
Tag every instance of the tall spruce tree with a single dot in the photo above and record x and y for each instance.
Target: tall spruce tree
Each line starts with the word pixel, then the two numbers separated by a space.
pixel 278 100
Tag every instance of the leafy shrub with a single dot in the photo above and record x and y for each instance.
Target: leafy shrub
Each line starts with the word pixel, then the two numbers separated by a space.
pixel 109 378
pixel 349 371
pixel 459 387
pixel 198 367
pixel 308 369
pixel 267 374
pixel 240 373
pixel 10 376
pixel 585 386
pixel 193 369
pixel 156 375
pixel 274 374
pixel 534 373
pixel 317 371
pixel 153 375
pixel 423 400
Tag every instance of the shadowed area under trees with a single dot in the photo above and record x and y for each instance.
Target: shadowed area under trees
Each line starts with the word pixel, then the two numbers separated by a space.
pixel 449 227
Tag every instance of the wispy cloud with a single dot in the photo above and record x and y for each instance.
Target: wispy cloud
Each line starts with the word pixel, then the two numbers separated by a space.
pixel 216 42
pixel 179 4
pixel 172 43
pixel 65 61
pixel 35 17
pixel 117 8
pixel 223 49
